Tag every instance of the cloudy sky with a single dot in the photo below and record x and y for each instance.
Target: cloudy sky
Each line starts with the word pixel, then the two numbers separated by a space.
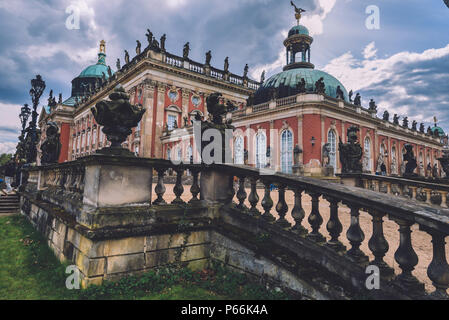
pixel 404 65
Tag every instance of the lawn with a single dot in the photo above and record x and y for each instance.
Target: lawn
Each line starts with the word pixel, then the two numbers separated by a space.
pixel 30 271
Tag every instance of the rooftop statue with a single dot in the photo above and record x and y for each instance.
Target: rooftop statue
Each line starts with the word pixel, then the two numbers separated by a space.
pixel 149 36
pixel 372 106
pixel 245 71
pixel 396 119
pixel 350 94
pixel 109 72
pixel 405 122
pixel 138 47
pixel 60 98
pixel 117 117
pixel 298 11
pixel 186 50
pixel 422 128
pixel 320 87
pixel 340 94
pixel 117 64
pixel 51 147
pixel 351 153
pixel 435 173
pixel 163 39
pixel 409 157
pixel 208 57
pixel 301 86
pixel 414 125
pixel 126 57
pixel 262 77
pixel 386 116
pixel 429 130
pixel 358 100
pixel 226 64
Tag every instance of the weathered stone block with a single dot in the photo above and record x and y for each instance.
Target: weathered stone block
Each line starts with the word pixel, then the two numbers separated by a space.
pixel 195 252
pixel 125 263
pixel 124 246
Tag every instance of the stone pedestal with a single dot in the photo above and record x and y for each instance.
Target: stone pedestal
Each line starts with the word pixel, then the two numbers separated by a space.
pixel 215 186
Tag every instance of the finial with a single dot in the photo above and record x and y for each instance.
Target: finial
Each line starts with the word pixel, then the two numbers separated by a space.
pixel 102 46
pixel 435 120
pixel 298 12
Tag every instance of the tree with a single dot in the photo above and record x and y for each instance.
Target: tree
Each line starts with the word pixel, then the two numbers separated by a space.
pixel 4 158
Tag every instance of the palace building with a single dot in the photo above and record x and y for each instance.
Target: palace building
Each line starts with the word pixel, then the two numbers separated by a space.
pixel 302 111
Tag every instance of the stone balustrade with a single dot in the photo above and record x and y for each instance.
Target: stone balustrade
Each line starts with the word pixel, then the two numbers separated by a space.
pixel 113 197
pixel 428 192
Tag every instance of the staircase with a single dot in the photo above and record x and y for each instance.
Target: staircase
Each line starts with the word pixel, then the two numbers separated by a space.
pixel 9 204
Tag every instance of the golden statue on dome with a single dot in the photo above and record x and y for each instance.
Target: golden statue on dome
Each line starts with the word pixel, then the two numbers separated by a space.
pixel 298 12
pixel 102 46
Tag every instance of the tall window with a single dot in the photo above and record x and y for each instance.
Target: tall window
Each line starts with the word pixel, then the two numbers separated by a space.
pixel 238 151
pixel 332 140
pixel 189 153
pixel 286 151
pixel 168 154
pixel 368 152
pixel 261 150
pixel 171 121
pixel 94 137
pixel 178 153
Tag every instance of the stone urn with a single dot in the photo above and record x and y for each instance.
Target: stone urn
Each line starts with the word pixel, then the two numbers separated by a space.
pixel 117 116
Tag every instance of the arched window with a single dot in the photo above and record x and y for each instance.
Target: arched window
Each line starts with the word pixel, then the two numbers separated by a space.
pixel 189 154
pixel 238 151
pixel 286 151
pixel 368 153
pixel 332 140
pixel 261 150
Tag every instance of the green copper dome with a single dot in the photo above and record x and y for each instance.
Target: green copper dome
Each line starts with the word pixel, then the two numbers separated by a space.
pixel 96 70
pixel 298 30
pixel 285 83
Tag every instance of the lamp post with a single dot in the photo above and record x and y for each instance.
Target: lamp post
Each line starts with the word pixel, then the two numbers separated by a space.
pixel 37 88
pixel 25 113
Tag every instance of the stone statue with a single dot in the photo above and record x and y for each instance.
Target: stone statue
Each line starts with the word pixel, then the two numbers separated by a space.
pixel 60 98
pixel 444 161
pixel 358 100
pixel 372 106
pixel 350 94
pixel 394 166
pixel 301 86
pixel 250 100
pixel 186 121
pixel 117 117
pixel 117 64
pixel 351 153
pixel 396 119
pixel 51 147
pixel 149 35
pixel 163 39
pixel 326 154
pixel 186 50
pixel 380 162
pixel 414 125
pixel 421 128
pixel 52 101
pixel 226 64
pixel 109 72
pixel 208 57
pixel 405 122
pixel 340 94
pixel 262 77
pixel 409 157
pixel 245 71
pixel 138 47
pixel 320 87
pixel 126 57
pixel 155 45
pixel 429 130
pixel 386 116
pixel 175 124
pixel 435 173
pixel 215 108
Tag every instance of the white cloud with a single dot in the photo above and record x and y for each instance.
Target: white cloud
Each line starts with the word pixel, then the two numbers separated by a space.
pixel 8 147
pixel 370 51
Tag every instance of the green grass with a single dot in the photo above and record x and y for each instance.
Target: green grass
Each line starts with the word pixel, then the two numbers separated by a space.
pixel 30 271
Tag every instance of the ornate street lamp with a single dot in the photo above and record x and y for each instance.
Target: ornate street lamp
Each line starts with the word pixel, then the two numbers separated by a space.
pixel 37 88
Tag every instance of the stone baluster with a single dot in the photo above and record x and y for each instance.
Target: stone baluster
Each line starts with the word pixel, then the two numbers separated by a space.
pixel 253 197
pixel 195 188
pixel 438 270
pixel 315 220
pixel 160 187
pixel 365 183
pixel 334 226
pixel 267 202
pixel 400 190
pixel 428 195
pixel 406 257
pixel 298 213
pixel 414 192
pixel 356 236
pixel 178 189
pixel 69 179
pixel 376 185
pixel 282 208
pixel 241 193
pixel 443 198
pixel 388 184
pixel 378 244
